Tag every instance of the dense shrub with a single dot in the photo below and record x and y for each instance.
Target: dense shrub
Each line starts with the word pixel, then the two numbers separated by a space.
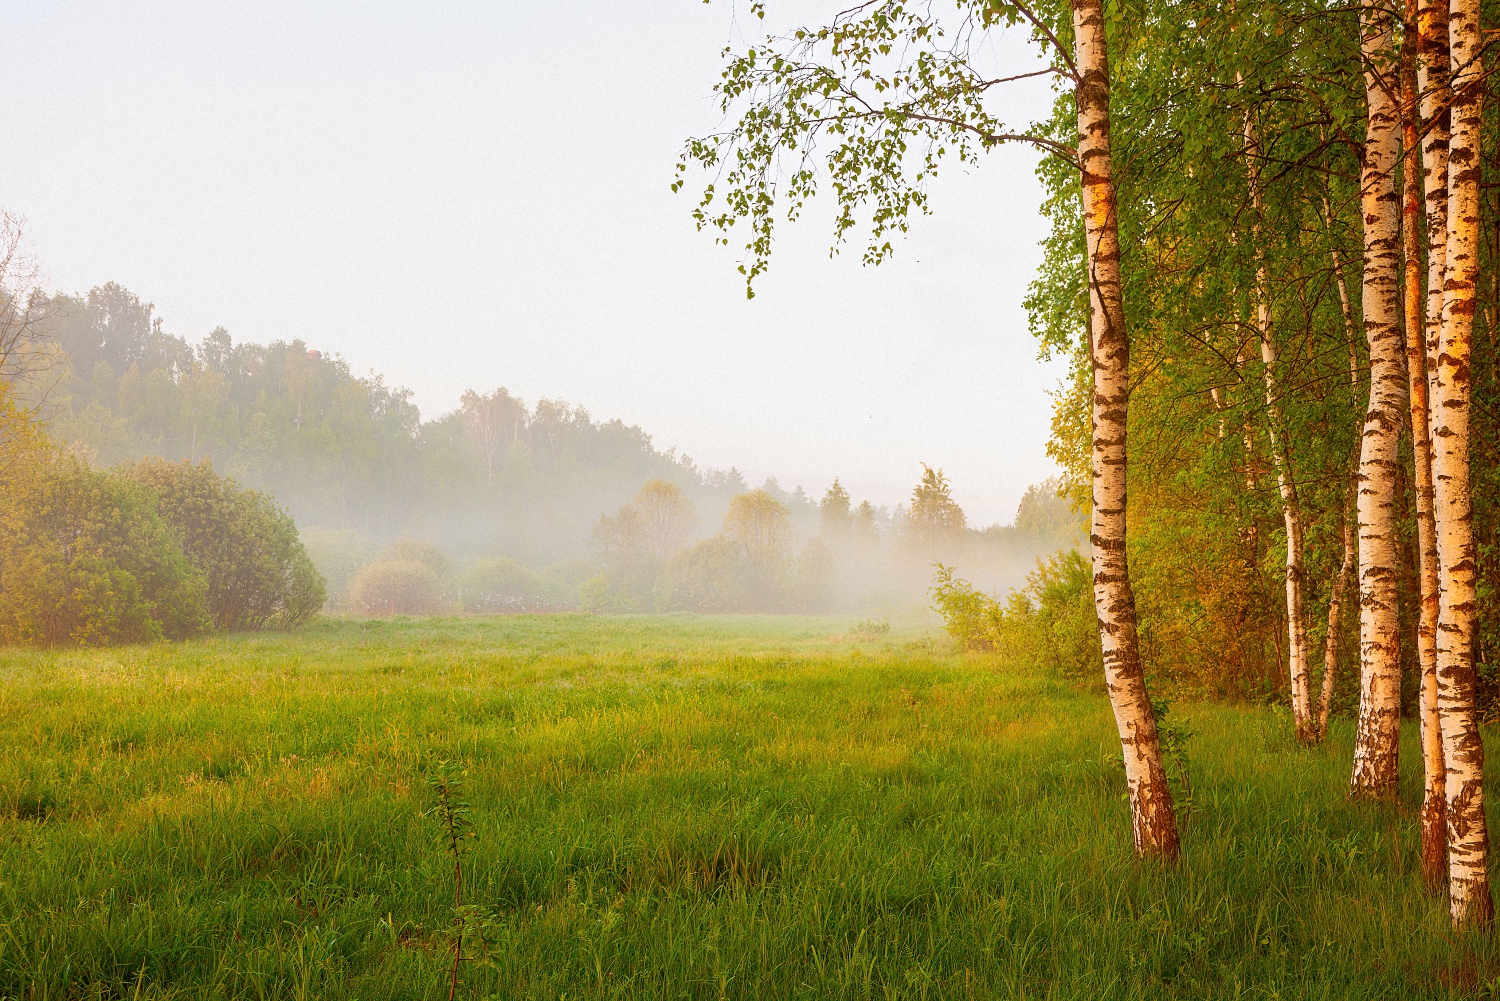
pixel 812 583
pixel 85 558
pixel 598 595
pixel 397 587
pixel 246 547
pixel 500 585
pixel 425 553
pixel 1051 620
pixel 970 616
pixel 708 577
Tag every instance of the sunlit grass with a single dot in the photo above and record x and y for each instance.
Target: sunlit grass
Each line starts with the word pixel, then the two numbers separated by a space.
pixel 672 807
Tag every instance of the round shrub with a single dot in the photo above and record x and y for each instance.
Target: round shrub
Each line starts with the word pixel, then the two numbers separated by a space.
pixel 85 559
pixel 246 547
pixel 396 587
pixel 499 585
pixel 708 577
pixel 419 551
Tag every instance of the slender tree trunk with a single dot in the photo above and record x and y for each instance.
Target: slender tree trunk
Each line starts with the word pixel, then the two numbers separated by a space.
pixel 1350 516
pixel 1152 814
pixel 1377 740
pixel 1291 509
pixel 1432 91
pixel 1434 835
pixel 1336 613
pixel 1463 752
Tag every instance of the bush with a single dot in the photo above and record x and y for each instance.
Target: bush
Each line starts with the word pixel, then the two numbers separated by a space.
pixel 339 554
pixel 397 587
pixel 598 595
pixel 85 558
pixel 709 577
pixel 1051 621
pixel 500 585
pixel 247 549
pixel 425 553
pixel 970 616
pixel 1060 601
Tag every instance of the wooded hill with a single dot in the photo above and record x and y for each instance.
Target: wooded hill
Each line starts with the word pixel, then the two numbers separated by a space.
pixel 354 462
pixel 345 451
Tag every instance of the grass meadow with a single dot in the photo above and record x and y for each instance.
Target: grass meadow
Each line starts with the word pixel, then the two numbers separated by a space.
pixel 672 807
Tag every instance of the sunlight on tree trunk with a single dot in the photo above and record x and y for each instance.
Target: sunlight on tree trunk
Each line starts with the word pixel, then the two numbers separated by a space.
pixel 1377 740
pixel 1463 751
pixel 1432 822
pixel 1152 814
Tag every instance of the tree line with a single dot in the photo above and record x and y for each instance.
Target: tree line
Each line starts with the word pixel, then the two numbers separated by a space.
pixel 343 452
pixel 847 556
pixel 146 550
pixel 1272 261
pixel 506 496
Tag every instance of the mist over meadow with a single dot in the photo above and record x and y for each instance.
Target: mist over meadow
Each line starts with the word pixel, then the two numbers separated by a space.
pixel 504 504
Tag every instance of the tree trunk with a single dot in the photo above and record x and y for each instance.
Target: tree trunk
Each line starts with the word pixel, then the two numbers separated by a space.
pixel 1153 818
pixel 1291 509
pixel 1350 517
pixel 1377 740
pixel 1463 752
pixel 1434 850
pixel 1336 613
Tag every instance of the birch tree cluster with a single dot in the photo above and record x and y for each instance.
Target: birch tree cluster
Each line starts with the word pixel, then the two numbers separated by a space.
pixel 1272 262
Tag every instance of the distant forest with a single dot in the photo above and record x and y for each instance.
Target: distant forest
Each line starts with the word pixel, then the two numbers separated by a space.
pixel 351 457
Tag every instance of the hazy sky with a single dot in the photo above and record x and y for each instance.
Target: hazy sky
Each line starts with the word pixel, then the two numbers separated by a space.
pixel 476 195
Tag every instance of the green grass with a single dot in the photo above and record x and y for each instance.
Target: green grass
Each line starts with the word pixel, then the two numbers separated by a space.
pixel 670 807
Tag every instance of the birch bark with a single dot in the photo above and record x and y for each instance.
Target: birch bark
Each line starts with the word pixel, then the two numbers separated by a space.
pixel 1153 818
pixel 1350 517
pixel 1291 510
pixel 1469 896
pixel 1433 782
pixel 1376 741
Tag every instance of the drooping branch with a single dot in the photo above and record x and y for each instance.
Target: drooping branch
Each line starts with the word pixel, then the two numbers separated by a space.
pixel 869 106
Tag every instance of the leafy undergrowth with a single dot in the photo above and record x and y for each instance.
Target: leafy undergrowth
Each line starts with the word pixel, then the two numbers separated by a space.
pixel 671 807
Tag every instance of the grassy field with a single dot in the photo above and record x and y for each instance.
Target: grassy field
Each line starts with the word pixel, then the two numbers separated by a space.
pixel 670 807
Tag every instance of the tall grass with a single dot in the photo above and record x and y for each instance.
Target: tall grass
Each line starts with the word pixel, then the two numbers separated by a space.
pixel 670 807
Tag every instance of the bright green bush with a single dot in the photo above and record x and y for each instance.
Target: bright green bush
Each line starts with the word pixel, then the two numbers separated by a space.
pixel 246 547
pixel 970 616
pixel 86 559
pixel 1051 621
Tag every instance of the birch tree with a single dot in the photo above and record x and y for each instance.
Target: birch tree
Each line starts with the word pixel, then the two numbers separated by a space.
pixel 1303 720
pixel 1469 894
pixel 1433 778
pixel 1377 737
pixel 879 98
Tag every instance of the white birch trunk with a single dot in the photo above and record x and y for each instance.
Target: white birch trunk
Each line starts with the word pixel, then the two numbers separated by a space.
pixel 1377 739
pixel 1469 896
pixel 1434 837
pixel 1152 815
pixel 1291 510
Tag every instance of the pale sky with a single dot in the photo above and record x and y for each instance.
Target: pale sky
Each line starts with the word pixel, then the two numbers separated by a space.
pixel 476 195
